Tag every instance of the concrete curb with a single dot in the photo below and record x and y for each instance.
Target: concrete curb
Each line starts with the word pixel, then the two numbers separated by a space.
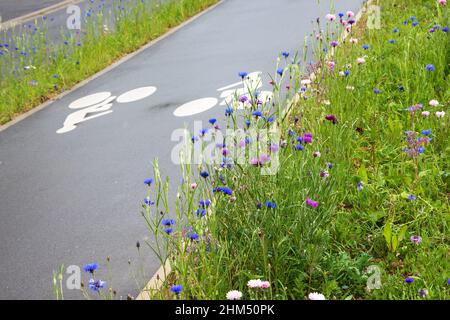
pixel 107 69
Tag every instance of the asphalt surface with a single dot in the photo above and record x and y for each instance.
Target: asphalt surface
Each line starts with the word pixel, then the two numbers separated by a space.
pixel 75 198
pixel 10 9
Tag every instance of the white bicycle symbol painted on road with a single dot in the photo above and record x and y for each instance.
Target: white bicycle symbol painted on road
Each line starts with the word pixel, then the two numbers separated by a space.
pixel 99 104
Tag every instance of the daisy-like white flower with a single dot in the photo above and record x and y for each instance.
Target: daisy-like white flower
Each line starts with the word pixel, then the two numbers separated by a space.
pixel 433 103
pixel 257 283
pixel 234 295
pixel 316 296
pixel 353 40
pixel 440 114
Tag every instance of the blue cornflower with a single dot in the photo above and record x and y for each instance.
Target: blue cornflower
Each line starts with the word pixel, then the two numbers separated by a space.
pixel 280 71
pixel 148 181
pixel 229 111
pixel 426 132
pixel 258 205
pixel 325 50
pixel 55 76
pixel 412 197
pixel 203 132
pixel 271 204
pixel 401 88
pixel 365 46
pixel 392 41
pixel 204 203
pixel 445 29
pixel 194 138
pixel 415 23
pixel 360 186
pixel 377 91
pixel 167 222
pixel 285 54
pixel 270 119
pixel 300 139
pixel 395 30
pixel 148 202
pixel 299 147
pixel 204 174
pixel 226 190
pixel 412 18
pixel 409 280
pixel 330 165
pixel 176 289
pixel 168 230
pixel 257 113
pixel 430 67
pixel 248 123
pixel 212 121
pixel 96 285
pixel 340 14
pixel 243 74
pixel 192 235
pixel 90 267
pixel 347 73
pixel 201 212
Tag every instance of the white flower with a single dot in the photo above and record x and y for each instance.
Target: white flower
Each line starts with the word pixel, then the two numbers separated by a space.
pixel 425 114
pixel 434 103
pixel 326 102
pixel 234 295
pixel 316 296
pixel 351 88
pixel 440 114
pixel 305 82
pixel 353 40
pixel 361 60
pixel 254 283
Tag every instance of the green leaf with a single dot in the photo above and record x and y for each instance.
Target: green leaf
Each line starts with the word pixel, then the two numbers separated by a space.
pixel 362 173
pixel 401 234
pixel 387 232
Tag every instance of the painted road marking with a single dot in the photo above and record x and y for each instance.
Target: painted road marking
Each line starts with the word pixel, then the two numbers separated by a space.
pixel 100 104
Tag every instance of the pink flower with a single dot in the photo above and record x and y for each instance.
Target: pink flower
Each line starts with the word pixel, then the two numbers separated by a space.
pixel 426 114
pixel 434 103
pixel 234 295
pixel 312 203
pixel 442 2
pixel 331 65
pixel 193 186
pixel 361 60
pixel 265 284
pixel 330 17
pixel 353 40
pixel 350 14
pixel 253 284
pixel 316 154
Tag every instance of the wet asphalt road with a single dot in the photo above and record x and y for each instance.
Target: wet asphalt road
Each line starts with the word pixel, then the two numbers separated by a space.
pixel 10 9
pixel 75 198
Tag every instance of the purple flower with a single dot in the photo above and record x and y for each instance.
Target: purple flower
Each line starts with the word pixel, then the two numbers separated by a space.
pixel 312 203
pixel 412 197
pixel 423 293
pixel 416 239
pixel 332 118
pixel 334 43
pixel 96 285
